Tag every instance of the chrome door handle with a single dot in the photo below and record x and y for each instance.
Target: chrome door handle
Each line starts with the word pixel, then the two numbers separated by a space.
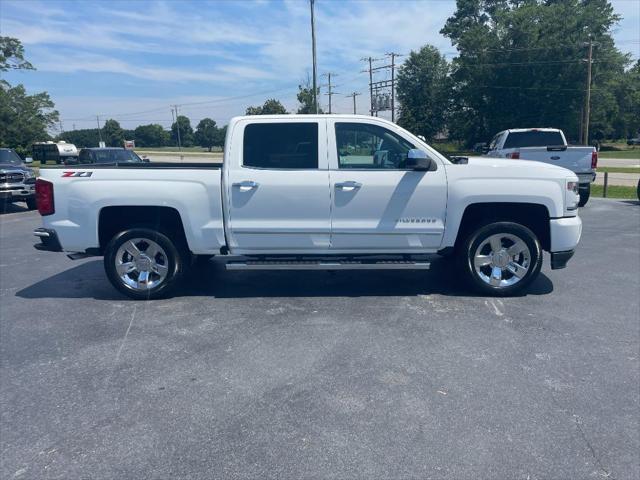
pixel 348 186
pixel 246 185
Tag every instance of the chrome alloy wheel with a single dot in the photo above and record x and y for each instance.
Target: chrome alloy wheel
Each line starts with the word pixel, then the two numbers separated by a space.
pixel 141 264
pixel 502 260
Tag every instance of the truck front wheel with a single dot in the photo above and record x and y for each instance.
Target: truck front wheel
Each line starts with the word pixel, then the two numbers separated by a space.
pixel 501 258
pixel 143 264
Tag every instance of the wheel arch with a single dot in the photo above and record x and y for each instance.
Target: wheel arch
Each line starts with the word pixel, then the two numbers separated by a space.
pixel 533 216
pixel 115 219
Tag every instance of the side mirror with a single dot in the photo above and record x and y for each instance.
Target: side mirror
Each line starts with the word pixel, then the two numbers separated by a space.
pixel 485 149
pixel 419 161
pixel 28 160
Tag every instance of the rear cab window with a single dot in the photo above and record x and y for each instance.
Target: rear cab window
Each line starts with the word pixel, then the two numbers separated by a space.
pixel 534 138
pixel 287 145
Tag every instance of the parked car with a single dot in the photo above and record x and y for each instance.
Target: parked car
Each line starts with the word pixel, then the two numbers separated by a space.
pixel 314 192
pixel 633 141
pixel 548 145
pixel 17 180
pixel 60 153
pixel 106 155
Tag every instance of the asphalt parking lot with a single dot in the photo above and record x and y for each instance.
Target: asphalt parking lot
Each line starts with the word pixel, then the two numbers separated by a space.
pixel 344 375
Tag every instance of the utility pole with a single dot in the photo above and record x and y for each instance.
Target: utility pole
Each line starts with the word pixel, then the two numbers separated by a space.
pixel 74 126
pixel 61 128
pixel 587 100
pixel 313 53
pixel 371 84
pixel 178 131
pixel 331 92
pixel 99 131
pixel 354 95
pixel 393 56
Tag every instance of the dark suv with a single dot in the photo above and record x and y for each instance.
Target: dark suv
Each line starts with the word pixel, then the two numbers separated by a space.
pixel 17 181
pixel 108 155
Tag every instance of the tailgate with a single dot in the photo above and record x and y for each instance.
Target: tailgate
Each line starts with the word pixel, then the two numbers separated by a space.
pixel 577 159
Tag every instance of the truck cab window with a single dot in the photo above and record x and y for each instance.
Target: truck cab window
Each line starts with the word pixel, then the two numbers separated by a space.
pixel 281 145
pixel 367 146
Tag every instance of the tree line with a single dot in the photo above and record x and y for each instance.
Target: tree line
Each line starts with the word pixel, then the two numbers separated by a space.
pixel 207 134
pixel 522 63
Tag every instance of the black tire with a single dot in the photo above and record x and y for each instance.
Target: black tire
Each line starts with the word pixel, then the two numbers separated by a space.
pixel 31 203
pixel 584 195
pixel 176 258
pixel 469 247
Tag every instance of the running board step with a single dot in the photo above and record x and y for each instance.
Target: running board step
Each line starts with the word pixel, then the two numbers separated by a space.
pixel 329 265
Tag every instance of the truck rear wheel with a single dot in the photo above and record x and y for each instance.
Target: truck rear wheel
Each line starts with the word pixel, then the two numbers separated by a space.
pixel 585 193
pixel 501 258
pixel 143 264
pixel 31 203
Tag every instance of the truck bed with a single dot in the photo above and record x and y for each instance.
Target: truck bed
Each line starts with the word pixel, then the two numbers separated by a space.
pixel 82 192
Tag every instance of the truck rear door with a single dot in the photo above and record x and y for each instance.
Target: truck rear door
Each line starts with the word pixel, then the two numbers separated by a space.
pixel 378 205
pixel 277 186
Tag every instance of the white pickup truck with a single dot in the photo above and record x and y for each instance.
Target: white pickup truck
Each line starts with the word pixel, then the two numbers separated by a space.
pixel 548 145
pixel 313 192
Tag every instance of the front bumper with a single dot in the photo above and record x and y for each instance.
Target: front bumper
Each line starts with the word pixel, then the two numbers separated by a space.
pixel 565 233
pixel 15 193
pixel 48 240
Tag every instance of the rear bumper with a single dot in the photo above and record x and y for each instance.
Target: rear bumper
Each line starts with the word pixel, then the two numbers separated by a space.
pixel 559 259
pixel 584 179
pixel 48 240
pixel 565 233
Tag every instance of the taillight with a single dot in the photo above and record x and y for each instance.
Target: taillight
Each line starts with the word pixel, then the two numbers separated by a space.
pixel 514 155
pixel 44 197
pixel 594 159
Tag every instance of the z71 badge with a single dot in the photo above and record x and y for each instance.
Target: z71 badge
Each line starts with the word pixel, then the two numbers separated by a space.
pixel 76 174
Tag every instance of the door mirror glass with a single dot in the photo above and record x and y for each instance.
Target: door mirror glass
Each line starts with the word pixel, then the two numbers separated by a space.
pixel 419 160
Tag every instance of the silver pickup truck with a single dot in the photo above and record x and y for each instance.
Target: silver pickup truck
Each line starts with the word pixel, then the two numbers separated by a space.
pixel 17 180
pixel 548 145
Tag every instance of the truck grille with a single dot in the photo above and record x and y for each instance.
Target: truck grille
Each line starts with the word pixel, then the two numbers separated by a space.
pixel 11 177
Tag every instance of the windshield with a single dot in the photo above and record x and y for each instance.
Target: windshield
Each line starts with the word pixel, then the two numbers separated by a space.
pixel 533 139
pixel 10 157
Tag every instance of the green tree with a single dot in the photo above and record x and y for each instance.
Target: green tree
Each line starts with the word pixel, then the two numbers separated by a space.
pixel 112 134
pixel 186 132
pixel 270 107
pixel 520 64
pixel 12 55
pixel 221 134
pixel 305 97
pixel 152 135
pixel 206 133
pixel 24 119
pixel 85 137
pixel 423 92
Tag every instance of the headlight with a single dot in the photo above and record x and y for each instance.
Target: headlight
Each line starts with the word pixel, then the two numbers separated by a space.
pixel 571 196
pixel 29 174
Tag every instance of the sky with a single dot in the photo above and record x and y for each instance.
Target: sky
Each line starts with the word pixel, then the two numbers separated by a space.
pixel 130 60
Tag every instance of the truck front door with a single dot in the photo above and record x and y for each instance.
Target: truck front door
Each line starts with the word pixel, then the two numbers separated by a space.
pixel 378 205
pixel 278 187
